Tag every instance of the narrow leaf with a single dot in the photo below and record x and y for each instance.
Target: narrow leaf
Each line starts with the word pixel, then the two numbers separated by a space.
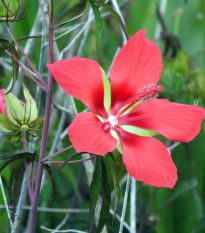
pixel 48 170
pixel 95 188
pixel 106 195
pixel 99 27
pixel 110 165
pixel 10 159
pixel 15 181
pixel 114 13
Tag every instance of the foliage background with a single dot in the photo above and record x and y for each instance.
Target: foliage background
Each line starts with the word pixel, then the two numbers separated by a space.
pixel 180 210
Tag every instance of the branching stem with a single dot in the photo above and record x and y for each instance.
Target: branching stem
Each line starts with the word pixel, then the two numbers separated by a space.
pixel 27 59
pixel 32 220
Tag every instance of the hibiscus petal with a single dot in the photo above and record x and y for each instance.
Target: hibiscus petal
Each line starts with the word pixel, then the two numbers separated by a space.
pixel 147 160
pixel 138 63
pixel 2 103
pixel 86 135
pixel 178 122
pixel 81 78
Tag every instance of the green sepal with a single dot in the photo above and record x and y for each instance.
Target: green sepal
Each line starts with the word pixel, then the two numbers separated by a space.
pixel 107 92
pixel 129 109
pixel 15 138
pixel 117 137
pixel 139 131
pixel 30 108
pixel 35 124
pixel 14 108
pixel 4 125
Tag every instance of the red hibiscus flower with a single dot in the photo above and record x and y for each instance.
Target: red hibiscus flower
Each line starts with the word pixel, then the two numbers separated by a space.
pixel 125 112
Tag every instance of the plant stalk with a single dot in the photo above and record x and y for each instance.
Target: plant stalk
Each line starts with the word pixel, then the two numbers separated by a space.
pixel 32 220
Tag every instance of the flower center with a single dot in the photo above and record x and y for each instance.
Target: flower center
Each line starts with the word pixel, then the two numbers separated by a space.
pixel 113 120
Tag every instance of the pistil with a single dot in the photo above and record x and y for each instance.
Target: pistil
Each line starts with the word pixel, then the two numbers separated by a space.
pixel 143 94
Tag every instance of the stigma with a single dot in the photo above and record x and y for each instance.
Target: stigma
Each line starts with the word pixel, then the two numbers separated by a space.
pixel 113 120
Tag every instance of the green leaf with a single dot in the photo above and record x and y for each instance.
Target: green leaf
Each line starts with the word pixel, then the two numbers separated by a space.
pixel 30 108
pixel 139 131
pixel 99 27
pixel 14 108
pixel 114 13
pixel 106 195
pixel 95 188
pixel 83 8
pixel 13 158
pixel 14 186
pixel 48 170
pixel 110 165
pixel 107 92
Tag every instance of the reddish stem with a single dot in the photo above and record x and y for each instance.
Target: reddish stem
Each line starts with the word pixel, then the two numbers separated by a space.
pixel 75 161
pixel 32 176
pixel 57 153
pixel 32 220
pixel 27 59
pixel 26 70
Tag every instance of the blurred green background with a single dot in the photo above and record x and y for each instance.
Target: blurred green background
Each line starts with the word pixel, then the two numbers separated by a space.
pixel 181 41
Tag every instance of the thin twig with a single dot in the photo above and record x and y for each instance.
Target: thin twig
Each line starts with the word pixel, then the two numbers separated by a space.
pixel 117 8
pixel 25 70
pixel 124 204
pixel 57 153
pixel 25 56
pixel 75 161
pixel 62 223
pixel 126 225
pixel 70 230
pixel 53 210
pixel 5 202
pixel 133 205
pixel 163 6
pixel 19 210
